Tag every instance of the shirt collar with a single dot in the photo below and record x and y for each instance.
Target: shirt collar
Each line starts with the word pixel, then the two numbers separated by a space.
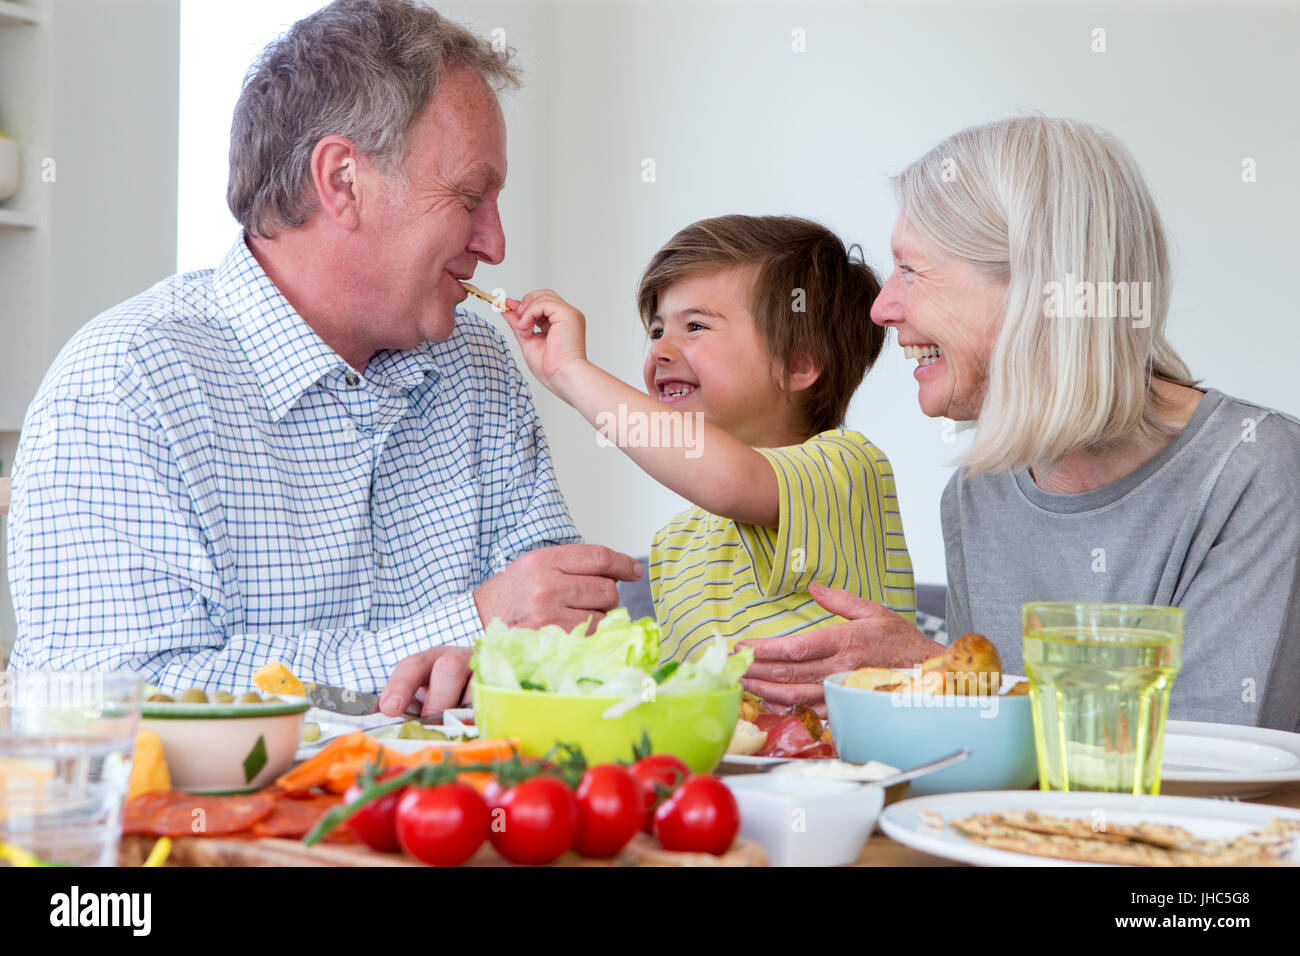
pixel 286 354
pixel 407 369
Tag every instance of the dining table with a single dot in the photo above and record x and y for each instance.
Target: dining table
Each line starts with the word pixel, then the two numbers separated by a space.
pixel 879 850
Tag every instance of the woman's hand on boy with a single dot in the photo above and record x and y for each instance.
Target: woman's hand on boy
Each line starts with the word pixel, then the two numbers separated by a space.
pixel 789 670
pixel 560 339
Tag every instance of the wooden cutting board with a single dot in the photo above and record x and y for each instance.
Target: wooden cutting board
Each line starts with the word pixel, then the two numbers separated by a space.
pixel 218 851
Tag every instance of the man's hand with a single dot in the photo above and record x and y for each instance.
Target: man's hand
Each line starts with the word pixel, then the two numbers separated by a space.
pixel 789 670
pixel 561 585
pixel 443 673
pixel 560 341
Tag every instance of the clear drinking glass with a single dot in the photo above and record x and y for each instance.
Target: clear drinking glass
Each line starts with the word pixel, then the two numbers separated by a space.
pixel 66 742
pixel 1099 679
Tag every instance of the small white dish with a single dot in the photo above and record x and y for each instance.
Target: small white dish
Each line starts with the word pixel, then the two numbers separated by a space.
pixel 800 821
pixel 830 768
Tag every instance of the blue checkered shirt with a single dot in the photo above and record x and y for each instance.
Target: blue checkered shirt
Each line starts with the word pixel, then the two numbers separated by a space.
pixel 203 485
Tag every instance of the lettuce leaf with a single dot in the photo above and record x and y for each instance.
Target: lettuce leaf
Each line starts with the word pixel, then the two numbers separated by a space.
pixel 620 659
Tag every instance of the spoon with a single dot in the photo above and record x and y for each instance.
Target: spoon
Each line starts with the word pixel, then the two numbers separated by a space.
pixel 943 763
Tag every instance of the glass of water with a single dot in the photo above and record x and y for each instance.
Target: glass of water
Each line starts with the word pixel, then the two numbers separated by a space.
pixel 1099 679
pixel 66 741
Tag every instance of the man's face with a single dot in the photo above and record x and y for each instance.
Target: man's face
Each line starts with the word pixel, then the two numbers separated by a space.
pixel 427 233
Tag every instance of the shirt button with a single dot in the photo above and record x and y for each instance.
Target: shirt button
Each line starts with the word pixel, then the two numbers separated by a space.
pixel 350 431
pixel 379 561
pixel 352 379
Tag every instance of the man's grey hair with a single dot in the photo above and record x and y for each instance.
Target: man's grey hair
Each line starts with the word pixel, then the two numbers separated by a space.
pixel 363 69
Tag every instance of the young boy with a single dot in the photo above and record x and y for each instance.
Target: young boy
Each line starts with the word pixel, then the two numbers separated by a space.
pixel 760 331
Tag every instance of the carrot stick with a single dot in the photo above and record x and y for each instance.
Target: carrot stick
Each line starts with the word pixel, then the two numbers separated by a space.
pixel 314 771
pixel 336 767
pixel 471 751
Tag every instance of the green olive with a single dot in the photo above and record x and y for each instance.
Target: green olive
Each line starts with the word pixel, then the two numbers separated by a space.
pixel 414 730
pixel 194 696
pixel 250 697
pixel 160 698
pixel 310 731
pixel 223 697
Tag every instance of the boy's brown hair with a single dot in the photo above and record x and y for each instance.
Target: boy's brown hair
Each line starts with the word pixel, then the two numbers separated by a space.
pixel 800 264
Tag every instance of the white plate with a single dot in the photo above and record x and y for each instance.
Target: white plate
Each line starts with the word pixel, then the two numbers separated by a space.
pixel 1209 819
pixel 743 763
pixel 333 725
pixel 1204 759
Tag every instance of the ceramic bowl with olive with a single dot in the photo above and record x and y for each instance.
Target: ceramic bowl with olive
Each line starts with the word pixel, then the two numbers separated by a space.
pixel 223 741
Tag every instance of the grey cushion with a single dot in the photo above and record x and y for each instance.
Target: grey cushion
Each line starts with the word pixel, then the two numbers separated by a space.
pixel 635 595
pixel 932 599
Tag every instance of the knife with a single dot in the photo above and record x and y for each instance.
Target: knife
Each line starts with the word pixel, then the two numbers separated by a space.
pixel 351 703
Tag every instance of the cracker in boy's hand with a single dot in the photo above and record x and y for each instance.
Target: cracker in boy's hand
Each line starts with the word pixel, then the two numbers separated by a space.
pixel 480 294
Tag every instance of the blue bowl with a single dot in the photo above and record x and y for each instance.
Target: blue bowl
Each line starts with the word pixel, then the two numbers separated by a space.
pixel 905 730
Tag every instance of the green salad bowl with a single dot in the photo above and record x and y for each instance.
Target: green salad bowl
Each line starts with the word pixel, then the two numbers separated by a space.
pixel 695 727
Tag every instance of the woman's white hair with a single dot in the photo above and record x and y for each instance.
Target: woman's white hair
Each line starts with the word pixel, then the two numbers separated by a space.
pixel 1058 210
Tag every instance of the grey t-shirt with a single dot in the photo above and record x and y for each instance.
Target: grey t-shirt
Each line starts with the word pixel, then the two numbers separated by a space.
pixel 1211 524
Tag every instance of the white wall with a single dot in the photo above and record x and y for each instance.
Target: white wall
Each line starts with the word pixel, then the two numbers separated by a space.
pixel 103 98
pixel 736 121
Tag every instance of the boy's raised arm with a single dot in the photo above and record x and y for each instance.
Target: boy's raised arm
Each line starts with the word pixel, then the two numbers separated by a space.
pixel 718 472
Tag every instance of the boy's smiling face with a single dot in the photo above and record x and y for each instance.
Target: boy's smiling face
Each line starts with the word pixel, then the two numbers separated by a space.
pixel 706 355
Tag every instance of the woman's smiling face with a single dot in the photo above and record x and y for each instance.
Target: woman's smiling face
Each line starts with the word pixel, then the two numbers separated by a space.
pixel 947 313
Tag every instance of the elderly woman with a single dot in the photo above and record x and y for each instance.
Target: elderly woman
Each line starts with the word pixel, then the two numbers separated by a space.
pixel 1031 281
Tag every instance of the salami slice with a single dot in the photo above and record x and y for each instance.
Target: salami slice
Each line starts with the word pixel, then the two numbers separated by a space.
pixel 765 722
pixel 790 738
pixel 293 818
pixel 171 814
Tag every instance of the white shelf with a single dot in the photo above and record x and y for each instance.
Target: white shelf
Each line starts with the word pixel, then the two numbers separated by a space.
pixel 13 14
pixel 11 219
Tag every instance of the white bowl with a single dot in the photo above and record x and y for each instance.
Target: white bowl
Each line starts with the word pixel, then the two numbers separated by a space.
pixel 801 821
pixel 226 748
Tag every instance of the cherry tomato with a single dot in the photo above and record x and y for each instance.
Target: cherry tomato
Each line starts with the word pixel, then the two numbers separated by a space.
pixel 442 825
pixel 534 821
pixel 700 817
pixel 609 810
pixel 375 823
pixel 665 770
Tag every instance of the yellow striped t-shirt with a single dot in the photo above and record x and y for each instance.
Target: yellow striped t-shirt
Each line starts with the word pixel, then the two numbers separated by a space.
pixel 839 525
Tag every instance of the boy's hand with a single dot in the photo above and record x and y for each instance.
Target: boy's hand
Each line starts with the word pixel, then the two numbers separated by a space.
pixel 561 339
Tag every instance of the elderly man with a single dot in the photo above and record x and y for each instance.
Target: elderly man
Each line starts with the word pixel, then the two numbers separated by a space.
pixel 307 454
